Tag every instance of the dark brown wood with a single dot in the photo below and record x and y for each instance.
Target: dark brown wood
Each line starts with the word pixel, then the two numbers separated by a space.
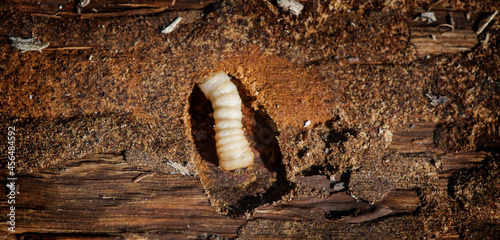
pixel 395 202
pixel 104 195
pixel 104 8
pixel 415 138
pixel 401 201
pixel 452 162
pixel 330 117
pixel 418 138
pixel 451 32
pixel 320 182
pixel 338 204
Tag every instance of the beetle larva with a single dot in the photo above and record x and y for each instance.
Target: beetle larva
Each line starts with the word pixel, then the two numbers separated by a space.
pixel 233 148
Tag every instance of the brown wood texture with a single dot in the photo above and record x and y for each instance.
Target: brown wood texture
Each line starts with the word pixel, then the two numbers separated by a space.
pixel 420 138
pixel 104 8
pixel 452 32
pixel 415 138
pixel 322 117
pixel 452 162
pixel 331 208
pixel 100 195
pixel 104 195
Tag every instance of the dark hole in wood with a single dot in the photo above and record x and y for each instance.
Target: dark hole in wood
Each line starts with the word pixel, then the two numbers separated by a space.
pixel 202 124
pixel 233 192
pixel 318 170
pixel 488 142
pixel 340 136
pixel 333 215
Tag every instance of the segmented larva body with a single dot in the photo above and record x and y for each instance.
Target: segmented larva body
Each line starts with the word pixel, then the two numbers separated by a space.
pixel 233 148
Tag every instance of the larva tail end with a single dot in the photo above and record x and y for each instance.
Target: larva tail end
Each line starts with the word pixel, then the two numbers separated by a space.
pixel 243 161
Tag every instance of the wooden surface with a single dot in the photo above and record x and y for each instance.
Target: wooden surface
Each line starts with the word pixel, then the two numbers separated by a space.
pixel 420 138
pixel 104 8
pixel 104 196
pixel 415 138
pixel 452 32
pixel 339 206
pixel 329 118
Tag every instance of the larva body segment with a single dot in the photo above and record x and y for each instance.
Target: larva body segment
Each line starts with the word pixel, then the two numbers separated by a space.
pixel 233 148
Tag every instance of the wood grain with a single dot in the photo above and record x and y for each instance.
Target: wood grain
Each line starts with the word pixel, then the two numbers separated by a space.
pixel 420 138
pixel 103 194
pixel 452 32
pixel 104 8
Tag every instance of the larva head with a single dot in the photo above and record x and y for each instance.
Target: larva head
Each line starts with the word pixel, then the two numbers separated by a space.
pixel 212 82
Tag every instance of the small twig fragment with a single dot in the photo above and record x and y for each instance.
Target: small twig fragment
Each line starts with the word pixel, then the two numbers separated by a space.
pixel 170 28
pixel 307 124
pixel 82 4
pixel 486 23
pixel 142 176
pixel 484 43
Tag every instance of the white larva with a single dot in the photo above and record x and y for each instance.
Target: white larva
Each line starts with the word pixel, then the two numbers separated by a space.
pixel 233 148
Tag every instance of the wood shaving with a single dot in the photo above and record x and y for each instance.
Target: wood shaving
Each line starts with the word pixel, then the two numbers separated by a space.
pixel 174 25
pixel 291 6
pixel 428 17
pixel 28 44
pixel 179 167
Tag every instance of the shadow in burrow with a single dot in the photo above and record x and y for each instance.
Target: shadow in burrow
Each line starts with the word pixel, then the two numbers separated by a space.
pixel 233 193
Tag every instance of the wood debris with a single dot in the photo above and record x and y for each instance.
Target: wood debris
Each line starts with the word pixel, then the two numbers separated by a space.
pixel 291 6
pixel 28 44
pixel 104 8
pixel 174 25
pixel 442 31
pixel 436 100
pixel 338 205
pixel 322 183
pixel 452 162
pixel 179 168
pixel 485 23
pixel 113 195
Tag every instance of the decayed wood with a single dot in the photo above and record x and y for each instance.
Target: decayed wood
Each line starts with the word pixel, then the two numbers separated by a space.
pixel 104 8
pixel 452 162
pixel 448 32
pixel 419 138
pixel 415 138
pixel 103 194
pixel 338 204
pixel 311 208
pixel 331 184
